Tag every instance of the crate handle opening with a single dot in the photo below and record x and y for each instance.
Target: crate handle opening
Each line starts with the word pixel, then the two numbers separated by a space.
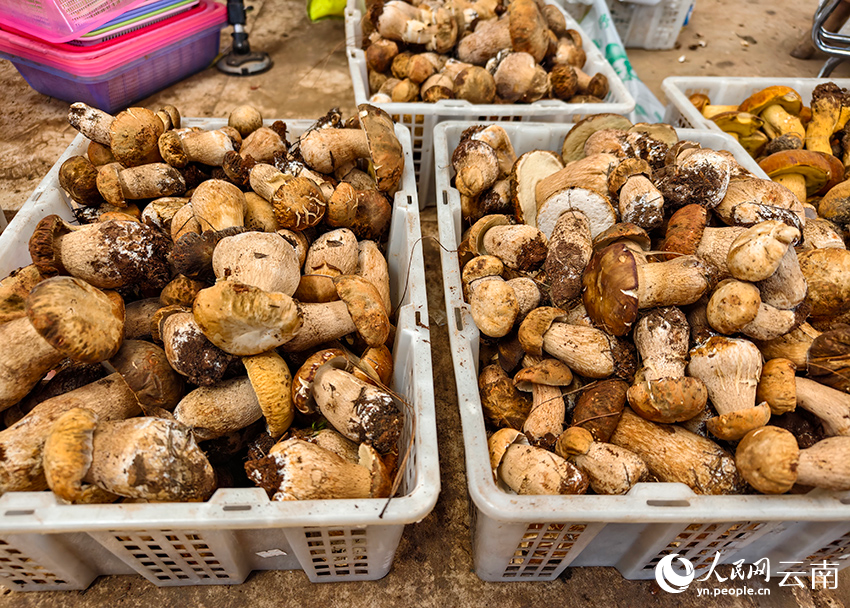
pixel 458 318
pixel 845 501
pixel 445 197
pixel 15 512
pixel 236 508
pixel 668 503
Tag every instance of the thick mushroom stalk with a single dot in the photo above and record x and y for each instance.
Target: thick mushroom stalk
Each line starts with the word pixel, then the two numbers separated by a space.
pixel 21 467
pixel 107 255
pixel 611 469
pixel 570 249
pixel 730 368
pixel 529 470
pixel 300 470
pixel 674 454
pixel 66 317
pixel 181 147
pixel 544 379
pixel 588 351
pixel 358 410
pixel 325 150
pixel 831 406
pixel 433 27
pixel 771 462
pixel 662 392
pixel 150 458
pixel 153 180
pixel 786 288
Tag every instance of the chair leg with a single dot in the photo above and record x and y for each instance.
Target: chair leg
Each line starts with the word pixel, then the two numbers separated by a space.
pixel 829 65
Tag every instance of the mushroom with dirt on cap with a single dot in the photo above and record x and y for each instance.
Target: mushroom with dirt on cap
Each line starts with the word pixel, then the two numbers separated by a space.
pixel 611 469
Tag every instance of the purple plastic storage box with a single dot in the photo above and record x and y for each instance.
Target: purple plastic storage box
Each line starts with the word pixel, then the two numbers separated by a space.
pixel 114 74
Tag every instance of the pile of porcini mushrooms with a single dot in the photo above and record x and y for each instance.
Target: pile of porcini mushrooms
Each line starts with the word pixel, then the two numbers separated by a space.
pixel 485 51
pixel 804 148
pixel 650 311
pixel 219 316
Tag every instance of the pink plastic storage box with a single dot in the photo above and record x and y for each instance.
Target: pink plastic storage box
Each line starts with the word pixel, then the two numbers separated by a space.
pixel 60 20
pixel 115 73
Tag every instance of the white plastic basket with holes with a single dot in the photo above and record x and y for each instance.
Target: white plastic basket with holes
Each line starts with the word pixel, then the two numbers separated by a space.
pixel 536 537
pixel 645 24
pixel 421 117
pixel 722 90
pixel 45 545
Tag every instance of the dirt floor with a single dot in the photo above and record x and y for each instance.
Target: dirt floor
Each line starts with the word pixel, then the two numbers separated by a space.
pixel 433 565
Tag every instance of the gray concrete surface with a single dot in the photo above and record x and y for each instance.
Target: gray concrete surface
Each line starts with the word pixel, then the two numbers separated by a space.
pixel 433 565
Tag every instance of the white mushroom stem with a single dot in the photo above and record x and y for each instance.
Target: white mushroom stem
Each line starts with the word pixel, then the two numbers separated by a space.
pixel 786 288
pixel 546 419
pixel 612 469
pixel 24 359
pixel 91 122
pixel 714 247
pixel 677 282
pixel 676 455
pixel 321 323
pixel 770 323
pixel 215 411
pixel 730 368
pixel 327 149
pixel 531 470
pixel 831 406
pixel 21 444
pixel 826 464
pixel 586 350
pixel 661 338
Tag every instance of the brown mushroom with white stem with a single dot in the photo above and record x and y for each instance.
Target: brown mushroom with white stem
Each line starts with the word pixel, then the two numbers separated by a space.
pixel 617 285
pixel 730 368
pixel 66 317
pixel 640 202
pixel 154 180
pixel 476 167
pixel 771 462
pixel 530 470
pixel 180 147
pixel 587 351
pixel 300 470
pixel 493 303
pixel 662 392
pixel 701 177
pixel 827 273
pixel 327 149
pixel 333 254
pixel 160 212
pixel 108 255
pixel 260 259
pixel 218 204
pixel 544 380
pixel 302 380
pixel 611 469
pixel 687 234
pixel 131 135
pixel 152 459
pixel 358 410
pixel 518 78
pixel 674 454
pixel 750 200
pixel 736 306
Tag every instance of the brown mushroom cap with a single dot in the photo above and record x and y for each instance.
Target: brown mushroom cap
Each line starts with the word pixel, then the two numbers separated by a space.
pixel 549 372
pixel 146 370
pixel 502 403
pixel 573 148
pixel 811 165
pixel 534 327
pixel 527 26
pixel 767 458
pixel 387 163
pixel 685 230
pixel 365 307
pixel 610 289
pixel 734 425
pixel 499 443
pixel 827 273
pixel 784 96
pixel 245 119
pixel 302 381
pixel 599 407
pixel 777 386
pixel 134 135
pixel 668 400
pixel 732 305
pixel 77 319
pixel 622 231
pixel 272 383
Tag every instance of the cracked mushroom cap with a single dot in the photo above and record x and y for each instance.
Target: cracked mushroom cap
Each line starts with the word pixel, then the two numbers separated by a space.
pixel 610 289
pixel 261 259
pixel 272 383
pixel 365 307
pixel 67 457
pixel 573 148
pixel 78 320
pixel 767 458
pixel 387 164
pixel 600 214
pixel 244 320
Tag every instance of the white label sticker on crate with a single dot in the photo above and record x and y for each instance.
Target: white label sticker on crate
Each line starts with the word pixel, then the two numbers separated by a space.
pixel 272 553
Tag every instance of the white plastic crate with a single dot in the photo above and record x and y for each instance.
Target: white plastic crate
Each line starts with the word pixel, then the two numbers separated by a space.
pixel 421 117
pixel 536 537
pixel 45 545
pixel 650 25
pixel 722 90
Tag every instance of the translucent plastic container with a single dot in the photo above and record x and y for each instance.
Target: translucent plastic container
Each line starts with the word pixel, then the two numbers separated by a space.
pixel 115 73
pixel 60 20
pixel 526 538
pixel 46 545
pixel 650 25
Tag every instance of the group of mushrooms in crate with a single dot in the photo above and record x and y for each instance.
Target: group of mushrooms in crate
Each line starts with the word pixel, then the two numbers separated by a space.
pixel 651 311
pixel 168 342
pixel 485 51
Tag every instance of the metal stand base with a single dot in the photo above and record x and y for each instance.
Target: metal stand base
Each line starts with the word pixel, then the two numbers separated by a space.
pixel 244 64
